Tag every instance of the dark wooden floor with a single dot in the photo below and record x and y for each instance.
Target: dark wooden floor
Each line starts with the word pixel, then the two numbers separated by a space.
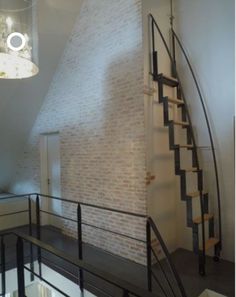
pixel 220 276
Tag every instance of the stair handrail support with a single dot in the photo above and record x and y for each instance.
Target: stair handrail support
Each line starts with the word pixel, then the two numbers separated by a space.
pixel 152 228
pixel 176 38
pixel 155 75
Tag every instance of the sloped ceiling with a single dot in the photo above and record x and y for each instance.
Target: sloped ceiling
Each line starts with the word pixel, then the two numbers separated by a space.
pixel 20 101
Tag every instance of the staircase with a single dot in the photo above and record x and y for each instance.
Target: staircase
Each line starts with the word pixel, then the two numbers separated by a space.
pixel 197 224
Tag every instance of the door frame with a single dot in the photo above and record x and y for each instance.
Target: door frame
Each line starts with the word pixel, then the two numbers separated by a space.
pixel 44 189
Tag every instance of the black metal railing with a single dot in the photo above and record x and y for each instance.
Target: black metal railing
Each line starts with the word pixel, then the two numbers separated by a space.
pixel 3 268
pixel 175 39
pixel 14 212
pixel 125 288
pixel 155 73
pixel 169 279
pixel 175 285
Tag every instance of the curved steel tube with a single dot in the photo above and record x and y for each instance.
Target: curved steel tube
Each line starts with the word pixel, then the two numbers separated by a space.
pixel 167 254
pixel 208 127
pixel 191 127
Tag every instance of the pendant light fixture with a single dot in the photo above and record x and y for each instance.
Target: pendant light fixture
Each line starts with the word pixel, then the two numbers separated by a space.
pixel 18 39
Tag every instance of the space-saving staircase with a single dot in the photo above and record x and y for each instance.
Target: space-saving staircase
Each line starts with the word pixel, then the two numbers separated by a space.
pixel 200 243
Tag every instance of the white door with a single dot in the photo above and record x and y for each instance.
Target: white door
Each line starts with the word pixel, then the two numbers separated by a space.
pixel 51 175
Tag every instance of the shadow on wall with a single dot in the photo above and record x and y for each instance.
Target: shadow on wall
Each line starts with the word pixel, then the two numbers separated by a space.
pixel 114 171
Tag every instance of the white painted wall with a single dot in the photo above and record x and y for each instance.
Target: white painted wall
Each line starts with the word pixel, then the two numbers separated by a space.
pixel 21 100
pixel 206 28
pixel 96 103
pixel 13 205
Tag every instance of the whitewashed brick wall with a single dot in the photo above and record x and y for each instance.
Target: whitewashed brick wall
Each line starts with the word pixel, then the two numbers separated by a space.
pixel 96 103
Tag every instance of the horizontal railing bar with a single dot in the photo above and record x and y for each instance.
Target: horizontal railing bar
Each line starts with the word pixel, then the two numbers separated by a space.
pixel 12 262
pixel 60 268
pixel 93 226
pixel 89 225
pixel 98 289
pixel 45 281
pixel 13 213
pixel 113 232
pixel 95 206
pixel 15 196
pixel 114 210
pixel 78 202
pixel 59 216
pixel 58 198
pixel 106 276
pixel 5 234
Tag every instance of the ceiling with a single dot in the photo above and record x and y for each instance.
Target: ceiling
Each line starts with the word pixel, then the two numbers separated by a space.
pixel 20 101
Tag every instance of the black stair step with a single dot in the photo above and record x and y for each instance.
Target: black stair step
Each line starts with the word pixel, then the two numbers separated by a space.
pixel 207 217
pixel 168 80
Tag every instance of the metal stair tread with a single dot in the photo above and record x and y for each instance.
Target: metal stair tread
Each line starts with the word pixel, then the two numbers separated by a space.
pixel 207 217
pixel 175 101
pixel 195 194
pixel 180 123
pixel 211 242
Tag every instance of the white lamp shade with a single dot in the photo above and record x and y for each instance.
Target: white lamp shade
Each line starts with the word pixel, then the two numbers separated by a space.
pixel 18 39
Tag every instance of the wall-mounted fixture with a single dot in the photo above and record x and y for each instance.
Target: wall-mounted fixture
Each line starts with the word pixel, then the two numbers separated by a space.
pixel 18 39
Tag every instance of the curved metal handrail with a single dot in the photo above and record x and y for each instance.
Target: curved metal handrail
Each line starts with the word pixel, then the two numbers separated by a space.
pixel 154 23
pixel 208 127
pixel 167 254
pixel 180 84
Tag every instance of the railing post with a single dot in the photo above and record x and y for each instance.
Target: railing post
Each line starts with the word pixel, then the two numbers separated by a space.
pixel 31 233
pixel 155 66
pixel 3 266
pixel 173 65
pixel 20 267
pixel 202 254
pixel 154 55
pixel 80 246
pixel 38 224
pixel 149 256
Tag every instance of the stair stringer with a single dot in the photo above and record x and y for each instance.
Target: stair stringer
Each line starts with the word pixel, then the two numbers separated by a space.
pixel 170 124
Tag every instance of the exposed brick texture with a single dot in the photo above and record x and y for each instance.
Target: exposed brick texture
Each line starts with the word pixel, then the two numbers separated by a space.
pixel 96 103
